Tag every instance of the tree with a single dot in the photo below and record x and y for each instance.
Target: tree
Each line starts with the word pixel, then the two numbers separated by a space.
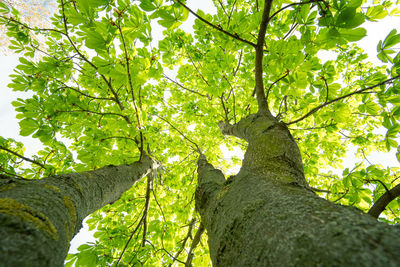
pixel 249 76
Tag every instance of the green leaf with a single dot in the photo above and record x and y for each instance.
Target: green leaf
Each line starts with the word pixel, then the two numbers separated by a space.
pixel 45 133
pixel 342 112
pixel 353 35
pixel 354 22
pixel 95 40
pixel 18 103
pixel 392 132
pixel 28 126
pixel 375 13
pixel 4 8
pixel 395 99
pixel 333 33
pixel 355 3
pixel 372 108
pixel 147 5
pixel 391 143
pixel 391 40
pixel 346 15
pixel 75 19
pixel 87 259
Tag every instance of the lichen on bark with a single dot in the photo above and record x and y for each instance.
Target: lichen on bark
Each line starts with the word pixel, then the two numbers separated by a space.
pixel 38 218
pixel 266 215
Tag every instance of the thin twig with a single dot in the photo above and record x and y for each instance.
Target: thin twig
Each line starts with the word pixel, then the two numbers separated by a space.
pixel 129 240
pixel 176 129
pixel 320 190
pixel 379 181
pixel 158 204
pixel 226 111
pixel 230 14
pixel 194 65
pixel 188 235
pixel 223 8
pixel 8 175
pixel 344 194
pixel 291 30
pixel 119 137
pixel 239 62
pixel 169 254
pixel 185 88
pixel 281 78
pixel 92 112
pixel 327 89
pixel 29 28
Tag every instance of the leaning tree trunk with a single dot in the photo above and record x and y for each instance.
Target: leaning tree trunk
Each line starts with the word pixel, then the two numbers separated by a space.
pixel 266 215
pixel 38 218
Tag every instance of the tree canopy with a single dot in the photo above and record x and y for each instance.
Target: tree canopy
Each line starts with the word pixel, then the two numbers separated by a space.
pixel 34 12
pixel 105 93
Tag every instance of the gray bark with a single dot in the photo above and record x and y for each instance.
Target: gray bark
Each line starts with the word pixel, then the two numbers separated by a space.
pixel 38 218
pixel 266 215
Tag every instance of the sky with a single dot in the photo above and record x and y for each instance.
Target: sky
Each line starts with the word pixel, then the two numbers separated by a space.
pixel 10 127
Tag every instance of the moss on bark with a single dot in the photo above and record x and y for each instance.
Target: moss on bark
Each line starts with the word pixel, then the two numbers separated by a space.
pixel 38 218
pixel 267 216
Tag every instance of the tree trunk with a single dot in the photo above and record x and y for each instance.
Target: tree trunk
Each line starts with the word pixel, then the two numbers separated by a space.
pixel 38 218
pixel 266 215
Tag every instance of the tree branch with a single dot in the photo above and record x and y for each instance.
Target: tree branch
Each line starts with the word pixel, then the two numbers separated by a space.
pixel 320 190
pixel 120 137
pixel 294 4
pixel 312 111
pixel 239 62
pixel 230 14
pixel 158 204
pixel 93 112
pixel 281 78
pixel 29 28
pixel 131 88
pixel 176 129
pixel 226 111
pixel 147 205
pixel 82 93
pixel 260 94
pixel 185 88
pixel 129 240
pixel 196 241
pixel 22 157
pixel 188 235
pixel 380 205
pixel 235 36
pixel 294 25
pixel 169 254
pixel 194 65
pixel 121 107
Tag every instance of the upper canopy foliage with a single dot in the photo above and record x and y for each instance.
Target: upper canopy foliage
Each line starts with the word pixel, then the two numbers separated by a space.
pixel 105 91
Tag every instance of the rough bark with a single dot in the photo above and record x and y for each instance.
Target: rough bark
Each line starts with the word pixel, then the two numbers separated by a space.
pixel 38 218
pixel 266 215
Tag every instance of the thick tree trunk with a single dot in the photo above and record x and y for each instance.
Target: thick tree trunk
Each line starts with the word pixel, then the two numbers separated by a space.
pixel 38 218
pixel 267 216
